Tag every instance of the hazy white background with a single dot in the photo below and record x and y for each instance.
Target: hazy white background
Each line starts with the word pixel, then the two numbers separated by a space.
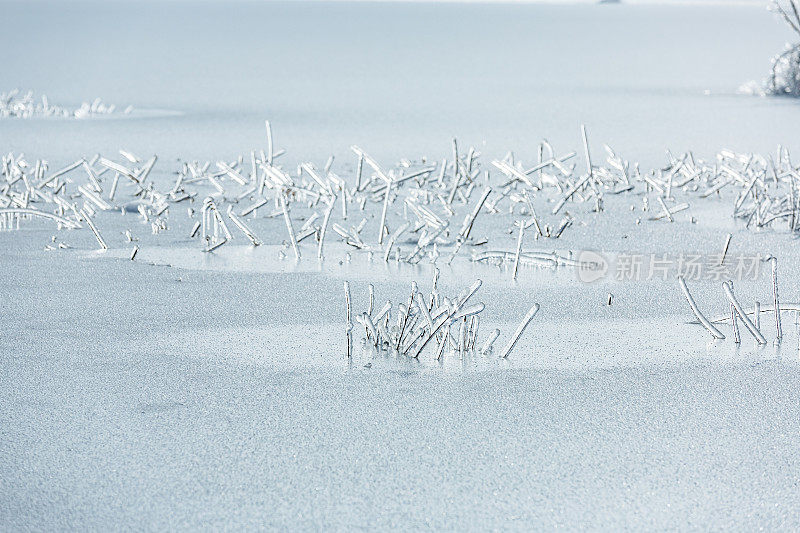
pixel 400 79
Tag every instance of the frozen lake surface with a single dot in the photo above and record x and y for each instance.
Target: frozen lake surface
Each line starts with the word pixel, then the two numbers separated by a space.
pixel 397 79
pixel 188 390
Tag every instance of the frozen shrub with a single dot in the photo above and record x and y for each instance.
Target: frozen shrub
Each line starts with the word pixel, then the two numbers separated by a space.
pixel 785 76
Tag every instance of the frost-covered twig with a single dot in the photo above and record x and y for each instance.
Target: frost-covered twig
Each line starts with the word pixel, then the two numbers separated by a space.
pixel 717 334
pixel 524 324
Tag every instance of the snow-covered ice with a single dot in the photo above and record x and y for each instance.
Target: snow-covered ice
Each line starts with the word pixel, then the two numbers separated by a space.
pixel 192 390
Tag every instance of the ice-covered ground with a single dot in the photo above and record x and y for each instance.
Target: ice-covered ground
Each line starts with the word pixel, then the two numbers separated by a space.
pixel 204 391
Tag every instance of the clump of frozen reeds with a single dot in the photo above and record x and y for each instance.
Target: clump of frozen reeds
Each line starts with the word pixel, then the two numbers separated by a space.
pixel 763 187
pixel 750 318
pixel 215 231
pixel 421 201
pixel 424 320
pixel 432 321
pixel 17 104
pixel 409 212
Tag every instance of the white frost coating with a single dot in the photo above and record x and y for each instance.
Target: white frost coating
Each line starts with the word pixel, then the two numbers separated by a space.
pixel 488 345
pixel 33 212
pixel 703 320
pixel 775 300
pixel 348 317
pixel 738 308
pixel 519 249
pixel 289 229
pixel 243 227
pixel 324 228
pixel 94 229
pixel 524 324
